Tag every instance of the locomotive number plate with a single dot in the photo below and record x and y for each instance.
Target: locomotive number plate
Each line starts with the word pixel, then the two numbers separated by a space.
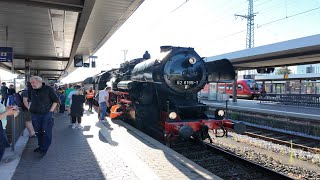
pixel 187 82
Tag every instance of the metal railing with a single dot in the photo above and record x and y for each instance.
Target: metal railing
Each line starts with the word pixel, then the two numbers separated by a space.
pixel 311 100
pixel 14 128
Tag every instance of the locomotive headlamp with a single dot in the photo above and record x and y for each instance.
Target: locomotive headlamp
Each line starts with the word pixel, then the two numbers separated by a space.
pixel 221 113
pixel 173 115
pixel 192 60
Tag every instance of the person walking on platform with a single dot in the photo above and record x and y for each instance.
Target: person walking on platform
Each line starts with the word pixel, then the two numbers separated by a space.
pixel 104 102
pixel 76 87
pixel 25 109
pixel 77 108
pixel 11 92
pixel 4 112
pixel 43 103
pixel 68 91
pixel 62 98
pixel 90 93
pixel 4 94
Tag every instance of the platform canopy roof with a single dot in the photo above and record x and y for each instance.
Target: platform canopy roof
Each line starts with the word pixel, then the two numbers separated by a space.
pixel 49 33
pixel 299 51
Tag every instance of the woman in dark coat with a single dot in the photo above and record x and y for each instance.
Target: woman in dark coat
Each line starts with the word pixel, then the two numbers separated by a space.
pixel 77 109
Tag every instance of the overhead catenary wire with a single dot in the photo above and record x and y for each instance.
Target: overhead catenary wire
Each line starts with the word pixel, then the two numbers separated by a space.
pixel 276 6
pixel 179 6
pixel 287 17
pixel 237 5
pixel 246 9
pixel 232 34
pixel 274 21
pixel 271 22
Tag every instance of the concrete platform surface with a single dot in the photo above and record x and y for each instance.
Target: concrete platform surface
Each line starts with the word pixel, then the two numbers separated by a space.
pixel 312 113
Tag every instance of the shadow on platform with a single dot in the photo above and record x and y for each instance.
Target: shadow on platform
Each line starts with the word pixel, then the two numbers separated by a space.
pixel 69 156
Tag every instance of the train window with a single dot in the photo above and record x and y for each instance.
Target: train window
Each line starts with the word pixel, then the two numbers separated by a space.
pixel 97 80
pixel 88 80
pixel 252 85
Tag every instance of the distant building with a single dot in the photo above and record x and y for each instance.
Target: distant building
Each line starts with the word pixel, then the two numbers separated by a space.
pixel 312 68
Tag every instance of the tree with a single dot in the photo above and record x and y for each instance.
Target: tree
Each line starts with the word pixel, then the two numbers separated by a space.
pixel 283 70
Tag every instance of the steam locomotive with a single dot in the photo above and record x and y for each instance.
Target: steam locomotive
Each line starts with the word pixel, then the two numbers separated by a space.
pixel 159 96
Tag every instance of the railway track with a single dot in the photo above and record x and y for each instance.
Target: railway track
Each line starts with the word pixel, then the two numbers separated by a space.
pixel 225 164
pixel 233 164
pixel 297 142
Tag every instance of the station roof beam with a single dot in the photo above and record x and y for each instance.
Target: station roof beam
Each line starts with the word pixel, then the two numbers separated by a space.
pixel 40 58
pixel 305 50
pixel 50 33
pixel 66 5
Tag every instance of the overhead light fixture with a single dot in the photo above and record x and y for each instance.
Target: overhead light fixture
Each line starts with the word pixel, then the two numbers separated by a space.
pixel 60 54
pixel 58 35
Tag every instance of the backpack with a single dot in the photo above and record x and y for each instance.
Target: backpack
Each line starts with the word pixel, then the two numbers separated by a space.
pixel 18 100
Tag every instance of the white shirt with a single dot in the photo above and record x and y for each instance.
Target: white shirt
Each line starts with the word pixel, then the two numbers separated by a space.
pixel 102 95
pixel 70 96
pixel 4 120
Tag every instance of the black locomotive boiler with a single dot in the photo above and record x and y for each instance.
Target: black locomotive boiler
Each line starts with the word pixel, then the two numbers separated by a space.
pixel 160 95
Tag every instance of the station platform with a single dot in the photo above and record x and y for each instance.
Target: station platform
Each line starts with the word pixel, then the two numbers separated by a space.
pixel 310 113
pixel 109 150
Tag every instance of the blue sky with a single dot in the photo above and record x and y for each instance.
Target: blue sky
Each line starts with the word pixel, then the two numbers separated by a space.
pixel 207 25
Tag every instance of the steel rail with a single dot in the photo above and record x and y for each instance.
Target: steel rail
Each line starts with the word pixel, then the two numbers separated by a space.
pixel 272 173
pixel 282 142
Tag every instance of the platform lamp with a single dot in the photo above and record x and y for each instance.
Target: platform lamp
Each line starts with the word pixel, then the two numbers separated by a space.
pixel 93 59
pixel 27 70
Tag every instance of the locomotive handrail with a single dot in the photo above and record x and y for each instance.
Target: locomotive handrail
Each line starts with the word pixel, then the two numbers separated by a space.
pixel 312 100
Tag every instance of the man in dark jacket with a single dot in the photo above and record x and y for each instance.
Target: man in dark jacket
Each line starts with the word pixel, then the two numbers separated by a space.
pixel 4 93
pixel 43 103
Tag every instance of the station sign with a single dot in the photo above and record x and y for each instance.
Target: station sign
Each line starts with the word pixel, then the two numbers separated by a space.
pixel 93 61
pixel 86 65
pixel 78 61
pixel 6 54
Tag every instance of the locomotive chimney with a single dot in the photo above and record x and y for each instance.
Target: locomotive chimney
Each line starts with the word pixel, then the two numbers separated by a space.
pixel 165 48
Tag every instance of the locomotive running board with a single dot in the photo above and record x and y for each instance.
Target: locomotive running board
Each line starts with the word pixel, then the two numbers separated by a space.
pixel 220 70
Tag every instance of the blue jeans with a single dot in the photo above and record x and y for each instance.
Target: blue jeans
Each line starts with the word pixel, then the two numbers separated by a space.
pixel 103 108
pixel 10 100
pixel 3 141
pixel 43 124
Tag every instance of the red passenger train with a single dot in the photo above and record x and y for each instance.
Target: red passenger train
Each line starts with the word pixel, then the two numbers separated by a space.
pixel 246 88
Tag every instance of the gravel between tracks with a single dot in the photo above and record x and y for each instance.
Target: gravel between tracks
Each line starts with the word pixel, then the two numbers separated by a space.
pixel 301 165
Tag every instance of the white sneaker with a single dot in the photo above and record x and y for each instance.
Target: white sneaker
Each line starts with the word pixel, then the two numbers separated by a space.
pixel 74 126
pixel 79 126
